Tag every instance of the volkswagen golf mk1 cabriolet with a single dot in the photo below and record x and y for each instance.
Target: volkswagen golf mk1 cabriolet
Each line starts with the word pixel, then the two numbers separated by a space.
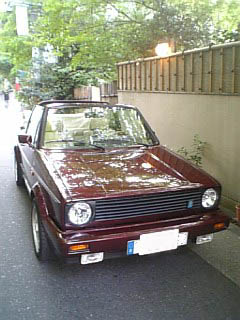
pixel 103 186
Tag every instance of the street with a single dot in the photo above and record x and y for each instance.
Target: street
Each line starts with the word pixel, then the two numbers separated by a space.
pixel 200 283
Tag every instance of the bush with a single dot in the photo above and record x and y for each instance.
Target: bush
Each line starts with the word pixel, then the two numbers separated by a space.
pixel 195 154
pixel 54 81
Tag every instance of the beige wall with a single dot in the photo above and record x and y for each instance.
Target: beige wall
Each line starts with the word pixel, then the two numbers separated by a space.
pixel 177 117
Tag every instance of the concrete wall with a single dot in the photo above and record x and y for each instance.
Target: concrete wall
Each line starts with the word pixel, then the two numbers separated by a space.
pixel 110 99
pixel 177 117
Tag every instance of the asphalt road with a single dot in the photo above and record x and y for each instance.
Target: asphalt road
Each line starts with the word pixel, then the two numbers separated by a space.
pixel 188 284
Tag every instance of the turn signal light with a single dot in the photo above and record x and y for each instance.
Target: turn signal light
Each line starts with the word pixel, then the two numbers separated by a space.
pixel 219 226
pixel 79 247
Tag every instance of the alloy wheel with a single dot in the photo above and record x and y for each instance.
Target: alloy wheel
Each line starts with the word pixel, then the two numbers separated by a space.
pixel 35 229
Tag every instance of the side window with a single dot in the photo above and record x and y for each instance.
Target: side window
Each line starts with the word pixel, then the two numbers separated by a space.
pixel 34 122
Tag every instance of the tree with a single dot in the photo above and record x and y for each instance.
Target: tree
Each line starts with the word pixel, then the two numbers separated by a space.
pixel 90 37
pixel 17 51
pixel 5 66
pixel 132 30
pixel 227 21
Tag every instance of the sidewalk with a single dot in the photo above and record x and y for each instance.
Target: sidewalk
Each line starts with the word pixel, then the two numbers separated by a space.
pixel 10 118
pixel 232 216
pixel 223 253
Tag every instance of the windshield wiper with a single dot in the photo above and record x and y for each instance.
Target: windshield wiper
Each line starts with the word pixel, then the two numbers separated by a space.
pixel 142 145
pixel 95 146
pixel 65 140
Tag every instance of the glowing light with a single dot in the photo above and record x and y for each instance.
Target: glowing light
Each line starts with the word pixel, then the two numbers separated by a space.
pixel 163 50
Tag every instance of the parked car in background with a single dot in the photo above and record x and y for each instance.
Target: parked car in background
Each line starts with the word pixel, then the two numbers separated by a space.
pixel 103 186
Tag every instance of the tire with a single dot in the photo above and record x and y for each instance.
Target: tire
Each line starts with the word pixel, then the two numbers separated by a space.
pixel 18 173
pixel 41 243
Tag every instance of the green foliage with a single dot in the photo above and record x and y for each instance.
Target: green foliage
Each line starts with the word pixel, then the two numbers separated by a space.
pixel 189 25
pixel 55 82
pixel 195 154
pixel 5 66
pixel 17 51
pixel 226 19
pixel 105 32
pixel 90 36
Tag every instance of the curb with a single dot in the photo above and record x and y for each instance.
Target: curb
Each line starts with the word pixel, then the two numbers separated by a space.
pixel 235 222
pixel 231 215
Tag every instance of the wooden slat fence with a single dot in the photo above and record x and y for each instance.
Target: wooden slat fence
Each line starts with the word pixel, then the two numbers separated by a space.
pixel 210 70
pixel 108 89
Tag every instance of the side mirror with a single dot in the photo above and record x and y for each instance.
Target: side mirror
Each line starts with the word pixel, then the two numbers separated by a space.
pixel 24 138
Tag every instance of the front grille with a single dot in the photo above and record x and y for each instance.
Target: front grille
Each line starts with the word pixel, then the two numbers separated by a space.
pixel 136 206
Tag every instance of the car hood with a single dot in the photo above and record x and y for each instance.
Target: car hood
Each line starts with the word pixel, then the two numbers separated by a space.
pixel 98 174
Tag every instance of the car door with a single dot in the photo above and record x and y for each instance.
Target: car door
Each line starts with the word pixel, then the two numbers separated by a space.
pixel 28 149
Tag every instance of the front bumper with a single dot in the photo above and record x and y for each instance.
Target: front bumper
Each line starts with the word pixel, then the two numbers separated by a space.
pixel 113 240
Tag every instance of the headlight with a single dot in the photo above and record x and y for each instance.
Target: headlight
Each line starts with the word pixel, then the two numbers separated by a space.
pixel 209 198
pixel 80 213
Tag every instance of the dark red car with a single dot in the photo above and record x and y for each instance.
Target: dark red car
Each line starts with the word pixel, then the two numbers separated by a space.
pixel 102 185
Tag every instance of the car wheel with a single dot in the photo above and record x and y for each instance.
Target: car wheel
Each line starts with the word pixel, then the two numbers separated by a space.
pixel 41 243
pixel 18 173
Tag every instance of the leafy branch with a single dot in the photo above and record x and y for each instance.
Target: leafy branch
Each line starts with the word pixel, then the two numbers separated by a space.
pixel 195 154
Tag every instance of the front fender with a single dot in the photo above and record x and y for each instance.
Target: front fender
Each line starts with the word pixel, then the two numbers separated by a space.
pixel 17 154
pixel 38 195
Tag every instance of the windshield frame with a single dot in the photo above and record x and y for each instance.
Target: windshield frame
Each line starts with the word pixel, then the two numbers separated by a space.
pixel 87 104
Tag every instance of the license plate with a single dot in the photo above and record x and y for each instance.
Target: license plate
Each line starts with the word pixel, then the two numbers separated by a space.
pixel 157 242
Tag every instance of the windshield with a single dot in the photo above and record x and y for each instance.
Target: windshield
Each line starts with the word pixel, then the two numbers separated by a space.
pixel 95 127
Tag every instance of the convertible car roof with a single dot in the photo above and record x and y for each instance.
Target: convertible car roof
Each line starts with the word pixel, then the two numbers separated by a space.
pixel 60 103
pixel 47 102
